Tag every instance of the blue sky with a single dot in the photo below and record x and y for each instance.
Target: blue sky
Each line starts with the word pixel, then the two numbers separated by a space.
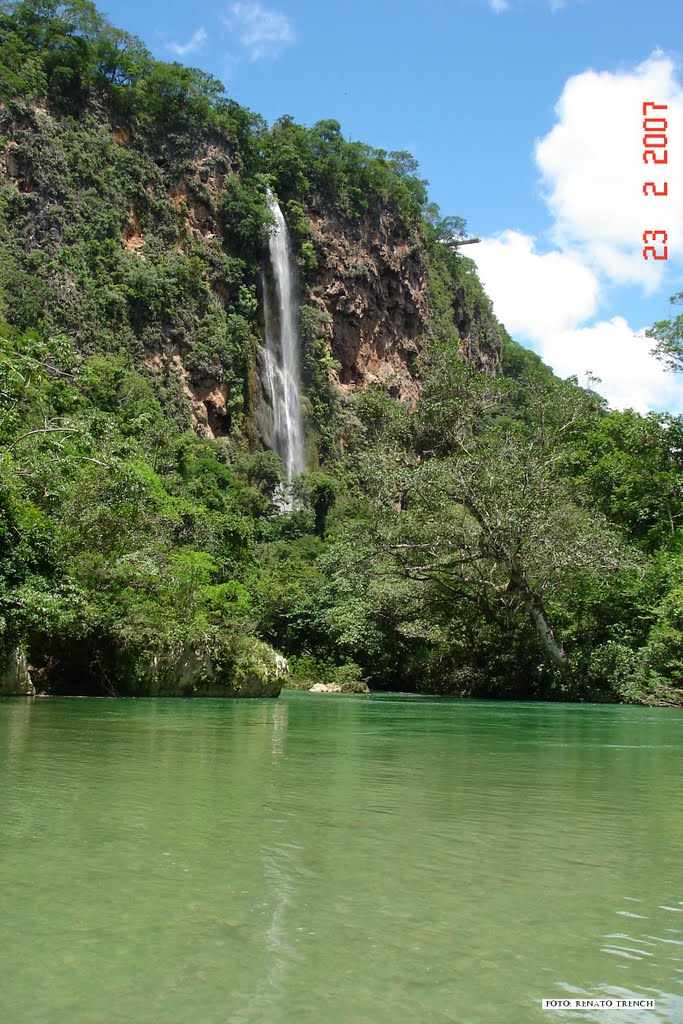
pixel 526 119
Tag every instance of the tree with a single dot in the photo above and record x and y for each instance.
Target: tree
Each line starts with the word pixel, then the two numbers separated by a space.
pixel 668 335
pixel 630 467
pixel 444 230
pixel 496 526
pixel 319 492
pixel 477 502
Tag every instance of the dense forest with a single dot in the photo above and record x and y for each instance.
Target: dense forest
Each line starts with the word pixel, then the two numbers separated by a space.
pixel 469 524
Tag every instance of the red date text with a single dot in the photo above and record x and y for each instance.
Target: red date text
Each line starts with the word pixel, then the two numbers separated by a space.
pixel 655 151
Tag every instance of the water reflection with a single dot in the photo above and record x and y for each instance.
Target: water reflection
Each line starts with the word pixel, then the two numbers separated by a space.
pixel 370 860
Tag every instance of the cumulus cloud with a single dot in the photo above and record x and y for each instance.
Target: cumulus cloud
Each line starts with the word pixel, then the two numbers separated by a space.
pixel 592 169
pixel 620 358
pixel 263 33
pixel 535 294
pixel 545 299
pixel 195 44
pixel 593 173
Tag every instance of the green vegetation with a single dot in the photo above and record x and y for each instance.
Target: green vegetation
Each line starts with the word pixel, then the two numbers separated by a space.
pixel 668 335
pixel 127 548
pixel 504 536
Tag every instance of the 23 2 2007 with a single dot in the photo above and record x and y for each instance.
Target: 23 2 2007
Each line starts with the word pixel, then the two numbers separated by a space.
pixel 655 152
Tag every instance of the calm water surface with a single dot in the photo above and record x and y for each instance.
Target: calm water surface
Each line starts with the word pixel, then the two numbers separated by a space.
pixel 338 860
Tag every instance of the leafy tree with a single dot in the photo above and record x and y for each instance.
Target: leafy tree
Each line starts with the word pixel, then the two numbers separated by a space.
pixel 504 534
pixel 668 335
pixel 319 491
pixel 631 468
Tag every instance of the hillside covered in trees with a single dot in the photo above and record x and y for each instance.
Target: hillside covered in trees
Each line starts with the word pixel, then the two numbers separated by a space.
pixel 468 524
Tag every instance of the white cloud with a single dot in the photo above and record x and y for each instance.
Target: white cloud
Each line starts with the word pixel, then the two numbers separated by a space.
pixel 195 44
pixel 263 33
pixel 593 172
pixel 533 293
pixel 611 351
pixel 545 299
pixel 231 63
pixel 504 5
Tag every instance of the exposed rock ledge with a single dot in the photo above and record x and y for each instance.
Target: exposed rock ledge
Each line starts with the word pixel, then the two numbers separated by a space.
pixel 253 670
pixel 222 666
pixel 372 282
pixel 349 687
pixel 14 676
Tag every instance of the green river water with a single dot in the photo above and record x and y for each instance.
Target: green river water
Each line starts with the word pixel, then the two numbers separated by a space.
pixel 338 860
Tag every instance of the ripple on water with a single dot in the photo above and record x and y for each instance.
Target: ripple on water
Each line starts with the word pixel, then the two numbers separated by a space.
pixel 378 859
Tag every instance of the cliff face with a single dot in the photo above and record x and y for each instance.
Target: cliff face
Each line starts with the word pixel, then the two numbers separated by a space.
pixel 128 244
pixel 372 280
pixel 97 227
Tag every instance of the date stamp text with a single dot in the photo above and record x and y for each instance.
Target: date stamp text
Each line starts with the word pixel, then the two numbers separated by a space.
pixel 655 151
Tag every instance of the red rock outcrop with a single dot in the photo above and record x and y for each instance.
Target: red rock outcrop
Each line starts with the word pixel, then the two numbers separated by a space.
pixel 372 280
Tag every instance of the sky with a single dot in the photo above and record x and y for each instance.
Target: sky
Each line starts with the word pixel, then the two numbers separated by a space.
pixel 526 117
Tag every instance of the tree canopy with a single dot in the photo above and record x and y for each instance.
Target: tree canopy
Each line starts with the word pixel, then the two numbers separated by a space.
pixel 500 534
pixel 668 335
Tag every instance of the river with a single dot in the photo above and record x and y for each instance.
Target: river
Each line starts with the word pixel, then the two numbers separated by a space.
pixel 338 860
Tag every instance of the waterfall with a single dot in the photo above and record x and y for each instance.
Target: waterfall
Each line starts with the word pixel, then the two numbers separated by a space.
pixel 281 352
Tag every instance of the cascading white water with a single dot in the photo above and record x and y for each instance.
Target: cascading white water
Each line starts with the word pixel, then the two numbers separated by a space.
pixel 281 352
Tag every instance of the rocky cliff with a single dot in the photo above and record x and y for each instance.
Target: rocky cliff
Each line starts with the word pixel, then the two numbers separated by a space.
pixel 137 240
pixel 373 281
pixel 144 543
